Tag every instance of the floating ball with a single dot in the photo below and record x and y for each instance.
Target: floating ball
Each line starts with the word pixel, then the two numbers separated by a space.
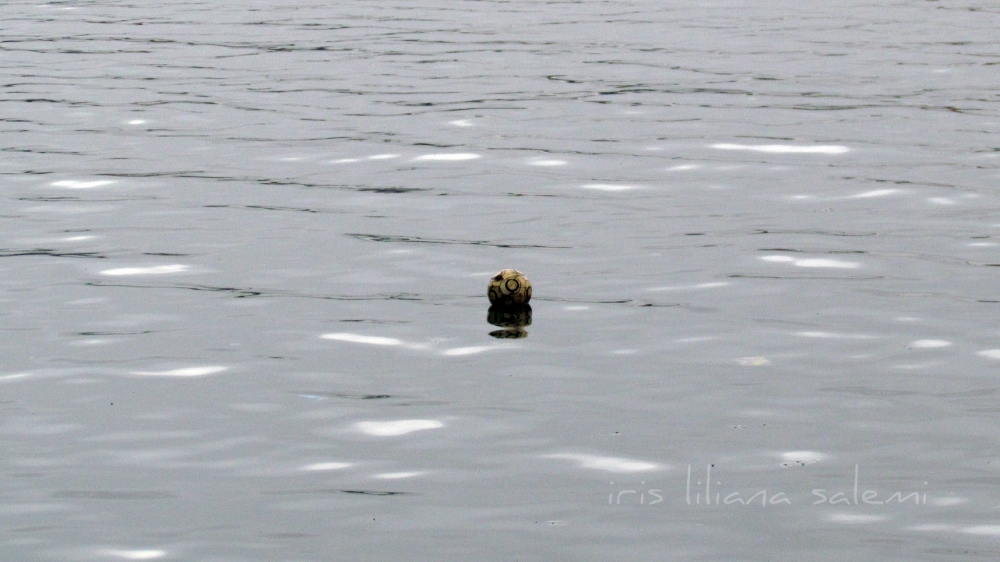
pixel 509 287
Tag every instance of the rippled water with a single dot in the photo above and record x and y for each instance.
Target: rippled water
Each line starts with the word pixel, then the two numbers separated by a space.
pixel 246 246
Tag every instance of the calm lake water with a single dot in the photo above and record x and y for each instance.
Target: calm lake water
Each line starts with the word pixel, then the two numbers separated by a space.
pixel 246 246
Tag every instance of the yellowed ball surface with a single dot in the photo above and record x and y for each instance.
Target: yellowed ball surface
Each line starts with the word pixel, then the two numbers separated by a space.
pixel 509 287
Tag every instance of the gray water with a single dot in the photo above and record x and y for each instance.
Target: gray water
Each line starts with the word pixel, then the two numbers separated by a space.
pixel 246 247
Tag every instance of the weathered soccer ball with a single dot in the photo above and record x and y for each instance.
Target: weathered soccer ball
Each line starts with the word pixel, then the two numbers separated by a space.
pixel 509 287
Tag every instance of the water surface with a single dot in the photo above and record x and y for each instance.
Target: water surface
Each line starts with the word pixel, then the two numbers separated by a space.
pixel 246 246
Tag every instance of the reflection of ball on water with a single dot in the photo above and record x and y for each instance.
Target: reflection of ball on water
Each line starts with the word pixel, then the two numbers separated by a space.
pixel 508 287
pixel 509 334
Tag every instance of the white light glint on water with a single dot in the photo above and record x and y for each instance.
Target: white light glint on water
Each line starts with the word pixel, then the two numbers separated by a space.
pixel 929 344
pixel 396 427
pixel 134 554
pixel 154 270
pixel 456 157
pixel 397 475
pixel 988 530
pixel 933 527
pixel 76 184
pixel 184 372
pixel 856 518
pixel 802 458
pixel 813 262
pixel 875 193
pixel 471 350
pixel 325 466
pixel 824 262
pixel 948 501
pixel 608 464
pixel 755 361
pixel 709 285
pixel 833 335
pixel 785 148
pixel 358 338
pixel 609 186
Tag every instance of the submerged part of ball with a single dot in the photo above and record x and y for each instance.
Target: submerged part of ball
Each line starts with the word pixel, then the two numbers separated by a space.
pixel 509 287
pixel 515 316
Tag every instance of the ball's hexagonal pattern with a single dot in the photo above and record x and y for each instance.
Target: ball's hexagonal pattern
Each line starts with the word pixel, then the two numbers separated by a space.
pixel 509 287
